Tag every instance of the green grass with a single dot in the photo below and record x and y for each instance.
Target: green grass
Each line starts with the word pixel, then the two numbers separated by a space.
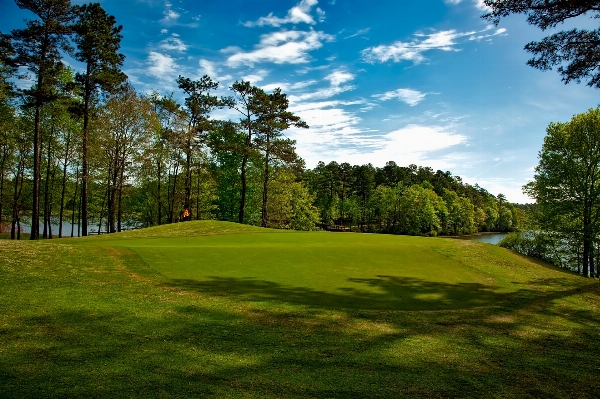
pixel 206 309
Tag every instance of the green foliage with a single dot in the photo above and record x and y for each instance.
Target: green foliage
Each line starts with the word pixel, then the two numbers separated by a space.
pixel 575 52
pixel 566 183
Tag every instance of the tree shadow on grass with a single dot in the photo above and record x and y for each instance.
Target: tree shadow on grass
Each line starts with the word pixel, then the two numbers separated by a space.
pixel 379 293
pixel 195 349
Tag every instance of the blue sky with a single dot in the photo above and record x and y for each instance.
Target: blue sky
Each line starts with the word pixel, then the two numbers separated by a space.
pixel 412 81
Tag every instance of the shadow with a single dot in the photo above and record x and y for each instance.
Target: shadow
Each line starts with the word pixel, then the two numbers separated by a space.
pixel 380 293
pixel 127 332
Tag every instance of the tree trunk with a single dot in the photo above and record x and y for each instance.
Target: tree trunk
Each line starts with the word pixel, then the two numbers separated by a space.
pixel 47 182
pixel 120 203
pixel 198 198
pixel 248 144
pixel 159 164
pixel 188 181
pixel 63 189
pixel 84 154
pixel 15 209
pixel 265 186
pixel 74 201
pixel 4 157
pixel 35 211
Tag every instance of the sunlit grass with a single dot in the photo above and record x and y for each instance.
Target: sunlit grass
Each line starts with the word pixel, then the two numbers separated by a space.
pixel 284 314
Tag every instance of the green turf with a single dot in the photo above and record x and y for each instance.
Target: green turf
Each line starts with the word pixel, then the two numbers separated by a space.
pixel 205 309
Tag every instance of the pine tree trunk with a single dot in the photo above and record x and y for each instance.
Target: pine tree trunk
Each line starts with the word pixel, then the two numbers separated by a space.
pixel 74 201
pixel 265 186
pixel 159 196
pixel 35 211
pixel 63 189
pixel 84 154
pixel 248 144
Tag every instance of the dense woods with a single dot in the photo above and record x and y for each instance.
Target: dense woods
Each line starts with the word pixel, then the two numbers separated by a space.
pixel 87 149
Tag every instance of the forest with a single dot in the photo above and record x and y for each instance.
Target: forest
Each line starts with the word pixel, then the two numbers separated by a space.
pixel 87 149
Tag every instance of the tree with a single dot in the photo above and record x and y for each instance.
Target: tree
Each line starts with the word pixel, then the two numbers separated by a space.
pixel 245 103
pixel 127 124
pixel 566 183
pixel 273 119
pixel 199 104
pixel 576 52
pixel 98 39
pixel 39 48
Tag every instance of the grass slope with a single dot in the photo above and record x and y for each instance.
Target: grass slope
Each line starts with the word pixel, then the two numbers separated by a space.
pixel 194 310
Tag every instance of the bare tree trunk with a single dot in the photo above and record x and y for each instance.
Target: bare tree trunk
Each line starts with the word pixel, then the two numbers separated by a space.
pixel 4 157
pixel 159 164
pixel 74 202
pixel 120 203
pixel 188 181
pixel 64 188
pixel 47 182
pixel 84 154
pixel 35 211
pixel 15 210
pixel 248 144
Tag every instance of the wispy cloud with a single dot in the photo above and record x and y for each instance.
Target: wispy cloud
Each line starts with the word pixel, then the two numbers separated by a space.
pixel 360 32
pixel 172 43
pixel 479 4
pixel 300 13
pixel 284 47
pixel 161 66
pixel 287 86
pixel 409 96
pixel 210 69
pixel 336 80
pixel 498 32
pixel 256 76
pixel 170 16
pixel 413 51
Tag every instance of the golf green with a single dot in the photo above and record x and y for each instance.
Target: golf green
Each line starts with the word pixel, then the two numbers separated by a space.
pixel 322 269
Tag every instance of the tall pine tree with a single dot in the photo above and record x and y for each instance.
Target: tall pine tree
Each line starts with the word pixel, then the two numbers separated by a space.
pixel 39 48
pixel 98 39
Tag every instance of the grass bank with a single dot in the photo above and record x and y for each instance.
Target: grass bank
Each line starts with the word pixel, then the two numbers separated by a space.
pixel 212 309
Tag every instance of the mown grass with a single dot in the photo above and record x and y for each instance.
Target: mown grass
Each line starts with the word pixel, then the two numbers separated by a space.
pixel 285 314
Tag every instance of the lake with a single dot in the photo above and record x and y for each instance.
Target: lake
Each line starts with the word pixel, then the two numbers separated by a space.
pixel 492 238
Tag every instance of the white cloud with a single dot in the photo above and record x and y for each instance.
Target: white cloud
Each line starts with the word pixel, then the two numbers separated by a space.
pixel 338 77
pixel 284 47
pixel 209 68
pixel 164 31
pixel 409 96
pixel 297 14
pixel 172 43
pixel 498 32
pixel 358 33
pixel 256 76
pixel 336 80
pixel 321 94
pixel 170 16
pixel 413 51
pixel 161 66
pixel 287 87
pixel 479 4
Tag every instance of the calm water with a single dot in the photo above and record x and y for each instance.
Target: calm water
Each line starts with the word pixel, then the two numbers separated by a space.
pixel 494 238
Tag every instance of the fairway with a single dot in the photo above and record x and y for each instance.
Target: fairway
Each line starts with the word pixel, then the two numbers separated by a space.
pixel 213 309
pixel 322 269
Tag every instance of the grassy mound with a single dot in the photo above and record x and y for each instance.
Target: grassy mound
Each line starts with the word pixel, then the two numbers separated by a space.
pixel 222 311
pixel 187 229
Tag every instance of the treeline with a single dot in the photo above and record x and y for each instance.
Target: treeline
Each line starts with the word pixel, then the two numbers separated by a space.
pixel 405 200
pixel 86 148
